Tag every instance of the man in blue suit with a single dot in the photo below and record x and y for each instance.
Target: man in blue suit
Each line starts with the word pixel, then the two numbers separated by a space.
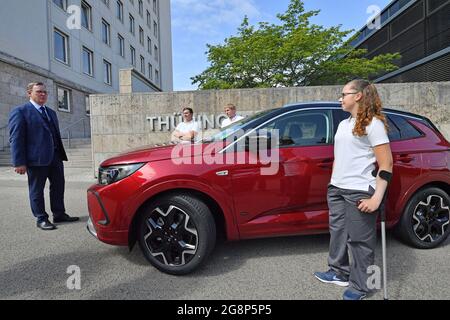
pixel 37 150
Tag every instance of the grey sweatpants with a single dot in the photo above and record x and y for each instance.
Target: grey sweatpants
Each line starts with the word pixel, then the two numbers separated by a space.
pixel 354 231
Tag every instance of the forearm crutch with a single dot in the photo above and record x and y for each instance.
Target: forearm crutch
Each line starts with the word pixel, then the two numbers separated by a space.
pixel 385 175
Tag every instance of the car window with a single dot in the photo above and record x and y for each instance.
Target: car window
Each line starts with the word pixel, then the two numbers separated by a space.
pixel 232 130
pixel 399 127
pixel 339 115
pixel 302 128
pixel 407 130
pixel 393 132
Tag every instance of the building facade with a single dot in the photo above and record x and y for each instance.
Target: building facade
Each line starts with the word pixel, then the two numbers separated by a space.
pixel 77 48
pixel 420 31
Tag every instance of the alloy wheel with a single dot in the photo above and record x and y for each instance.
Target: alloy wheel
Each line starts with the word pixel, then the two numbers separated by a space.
pixel 431 219
pixel 171 236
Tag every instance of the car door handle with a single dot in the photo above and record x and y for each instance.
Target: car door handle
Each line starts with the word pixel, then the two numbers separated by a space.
pixel 326 164
pixel 404 158
pixel 222 173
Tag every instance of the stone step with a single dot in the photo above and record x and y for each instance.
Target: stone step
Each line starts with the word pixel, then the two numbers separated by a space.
pixel 76 159
pixel 81 146
pixel 85 153
pixel 77 143
pixel 77 140
pixel 79 164
pixel 72 162
pixel 80 156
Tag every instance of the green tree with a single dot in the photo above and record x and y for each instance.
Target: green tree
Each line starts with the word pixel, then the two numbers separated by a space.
pixel 292 53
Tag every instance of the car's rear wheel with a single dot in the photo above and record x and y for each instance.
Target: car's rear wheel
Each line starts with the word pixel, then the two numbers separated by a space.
pixel 426 220
pixel 177 233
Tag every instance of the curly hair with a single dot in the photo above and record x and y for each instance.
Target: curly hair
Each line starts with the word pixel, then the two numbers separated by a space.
pixel 369 106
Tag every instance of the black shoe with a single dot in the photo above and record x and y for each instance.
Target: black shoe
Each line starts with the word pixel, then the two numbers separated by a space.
pixel 46 225
pixel 65 218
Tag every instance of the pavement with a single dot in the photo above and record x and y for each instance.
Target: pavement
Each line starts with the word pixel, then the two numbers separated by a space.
pixel 36 264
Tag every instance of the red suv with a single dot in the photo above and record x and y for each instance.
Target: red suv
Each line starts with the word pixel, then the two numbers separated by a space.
pixel 176 201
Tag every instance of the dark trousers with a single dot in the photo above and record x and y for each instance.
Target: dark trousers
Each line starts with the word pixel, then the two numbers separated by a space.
pixel 351 231
pixel 37 177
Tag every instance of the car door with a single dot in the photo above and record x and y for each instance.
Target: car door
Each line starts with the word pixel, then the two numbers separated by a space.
pixel 291 199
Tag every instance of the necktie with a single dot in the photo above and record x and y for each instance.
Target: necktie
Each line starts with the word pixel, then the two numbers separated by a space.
pixel 44 114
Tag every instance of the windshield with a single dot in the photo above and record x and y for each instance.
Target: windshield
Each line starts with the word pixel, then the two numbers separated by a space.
pixel 234 127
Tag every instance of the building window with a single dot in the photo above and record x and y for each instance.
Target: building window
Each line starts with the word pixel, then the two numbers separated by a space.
pixel 141 36
pixel 61 3
pixel 107 72
pixel 157 77
pixel 141 8
pixel 142 65
pixel 88 106
pixel 121 45
pixel 64 99
pixel 149 20
pixel 131 24
pixel 156 53
pixel 119 10
pixel 149 45
pixel 106 32
pixel 133 56
pixel 150 71
pixel 88 62
pixel 61 46
pixel 155 6
pixel 86 15
pixel 155 29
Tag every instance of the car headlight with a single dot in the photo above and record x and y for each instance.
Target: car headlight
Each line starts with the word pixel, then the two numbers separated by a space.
pixel 113 174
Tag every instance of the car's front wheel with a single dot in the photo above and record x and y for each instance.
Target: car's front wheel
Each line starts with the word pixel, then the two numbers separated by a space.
pixel 177 233
pixel 425 221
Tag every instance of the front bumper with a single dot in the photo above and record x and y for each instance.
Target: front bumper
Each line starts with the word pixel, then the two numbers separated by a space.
pixel 112 208
pixel 91 229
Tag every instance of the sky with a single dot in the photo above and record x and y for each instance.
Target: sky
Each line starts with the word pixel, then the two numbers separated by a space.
pixel 196 23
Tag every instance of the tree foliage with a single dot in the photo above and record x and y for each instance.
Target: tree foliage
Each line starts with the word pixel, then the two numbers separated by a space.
pixel 292 53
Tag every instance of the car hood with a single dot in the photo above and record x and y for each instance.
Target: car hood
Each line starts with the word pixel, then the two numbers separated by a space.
pixel 156 153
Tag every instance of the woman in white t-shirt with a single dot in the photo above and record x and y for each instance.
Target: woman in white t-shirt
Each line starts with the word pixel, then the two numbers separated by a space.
pixel 188 130
pixel 355 194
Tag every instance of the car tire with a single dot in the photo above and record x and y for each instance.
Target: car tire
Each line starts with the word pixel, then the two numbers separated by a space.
pixel 425 220
pixel 177 233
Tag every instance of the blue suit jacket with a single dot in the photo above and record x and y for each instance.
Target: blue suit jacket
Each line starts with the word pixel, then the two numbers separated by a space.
pixel 31 139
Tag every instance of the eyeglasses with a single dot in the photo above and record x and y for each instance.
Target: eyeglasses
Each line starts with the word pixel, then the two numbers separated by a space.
pixel 344 94
pixel 41 92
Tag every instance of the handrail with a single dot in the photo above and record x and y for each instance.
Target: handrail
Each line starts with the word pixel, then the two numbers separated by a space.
pixel 3 135
pixel 73 124
pixel 69 129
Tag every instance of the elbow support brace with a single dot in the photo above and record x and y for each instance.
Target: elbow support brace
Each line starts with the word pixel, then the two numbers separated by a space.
pixel 385 175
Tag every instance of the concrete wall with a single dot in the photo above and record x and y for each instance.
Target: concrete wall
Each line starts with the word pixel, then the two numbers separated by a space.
pixel 13 83
pixel 119 122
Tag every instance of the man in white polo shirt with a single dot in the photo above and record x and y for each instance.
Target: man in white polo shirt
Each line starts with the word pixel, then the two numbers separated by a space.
pixel 188 129
pixel 230 111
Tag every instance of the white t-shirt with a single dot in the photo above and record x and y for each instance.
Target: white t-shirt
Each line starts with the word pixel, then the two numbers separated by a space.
pixel 185 127
pixel 354 159
pixel 226 122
